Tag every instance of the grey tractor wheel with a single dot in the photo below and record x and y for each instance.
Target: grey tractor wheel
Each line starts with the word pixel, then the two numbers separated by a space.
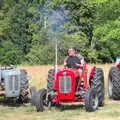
pixel 98 82
pixel 91 100
pixel 50 79
pixel 110 87
pixel 41 103
pixel 24 98
pixel 114 83
pixel 20 100
pixel 33 95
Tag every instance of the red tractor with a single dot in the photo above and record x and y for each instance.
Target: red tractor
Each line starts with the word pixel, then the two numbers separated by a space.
pixel 114 81
pixel 65 86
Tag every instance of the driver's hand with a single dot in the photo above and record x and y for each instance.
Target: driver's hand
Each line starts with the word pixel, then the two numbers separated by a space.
pixel 77 64
pixel 65 65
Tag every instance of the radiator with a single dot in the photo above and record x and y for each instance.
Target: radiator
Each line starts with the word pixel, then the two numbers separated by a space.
pixel 65 84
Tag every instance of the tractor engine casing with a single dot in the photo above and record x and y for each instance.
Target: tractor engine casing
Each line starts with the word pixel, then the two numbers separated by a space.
pixel 64 85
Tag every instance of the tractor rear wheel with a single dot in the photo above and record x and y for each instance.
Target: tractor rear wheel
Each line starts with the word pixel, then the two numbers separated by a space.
pixel 50 79
pixel 41 100
pixel 114 83
pixel 91 100
pixel 98 82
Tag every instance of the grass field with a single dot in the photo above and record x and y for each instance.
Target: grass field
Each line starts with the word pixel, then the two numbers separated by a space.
pixel 111 110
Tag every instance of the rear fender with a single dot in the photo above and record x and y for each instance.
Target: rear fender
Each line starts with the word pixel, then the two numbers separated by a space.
pixel 117 65
pixel 92 71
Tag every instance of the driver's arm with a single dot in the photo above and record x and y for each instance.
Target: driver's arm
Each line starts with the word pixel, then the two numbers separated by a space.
pixel 82 61
pixel 65 62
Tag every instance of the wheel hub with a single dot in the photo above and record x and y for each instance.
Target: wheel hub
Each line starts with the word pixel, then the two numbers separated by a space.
pixel 95 101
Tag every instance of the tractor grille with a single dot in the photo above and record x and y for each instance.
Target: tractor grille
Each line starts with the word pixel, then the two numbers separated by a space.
pixel 13 83
pixel 65 84
pixel 10 83
pixel 16 83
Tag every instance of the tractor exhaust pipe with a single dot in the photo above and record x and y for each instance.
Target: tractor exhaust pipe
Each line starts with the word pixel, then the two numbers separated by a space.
pixel 56 55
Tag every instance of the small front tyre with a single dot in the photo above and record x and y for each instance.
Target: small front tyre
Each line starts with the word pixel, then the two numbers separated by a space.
pixel 41 102
pixel 91 100
pixel 97 82
pixel 33 95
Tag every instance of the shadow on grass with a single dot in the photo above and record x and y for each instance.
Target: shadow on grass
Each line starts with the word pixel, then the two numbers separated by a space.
pixel 10 102
pixel 70 107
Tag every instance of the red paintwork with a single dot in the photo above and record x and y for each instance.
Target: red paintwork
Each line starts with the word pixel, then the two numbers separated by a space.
pixel 91 72
pixel 73 73
pixel 83 77
pixel 118 64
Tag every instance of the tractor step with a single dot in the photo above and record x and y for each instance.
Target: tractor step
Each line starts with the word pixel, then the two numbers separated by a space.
pixel 80 93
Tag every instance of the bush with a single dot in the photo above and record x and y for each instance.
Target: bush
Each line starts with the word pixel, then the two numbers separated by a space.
pixel 9 54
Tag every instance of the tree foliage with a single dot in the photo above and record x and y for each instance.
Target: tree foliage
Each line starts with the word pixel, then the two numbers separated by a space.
pixel 28 30
pixel 107 31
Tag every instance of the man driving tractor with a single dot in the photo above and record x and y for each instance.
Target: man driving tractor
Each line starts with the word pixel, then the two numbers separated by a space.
pixel 74 60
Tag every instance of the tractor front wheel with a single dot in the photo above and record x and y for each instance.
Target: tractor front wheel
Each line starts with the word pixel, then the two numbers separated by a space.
pixel 91 100
pixel 41 102
pixel 98 82
pixel 33 95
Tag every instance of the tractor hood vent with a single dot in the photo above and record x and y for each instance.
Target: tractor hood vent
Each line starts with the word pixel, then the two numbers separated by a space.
pixel 65 84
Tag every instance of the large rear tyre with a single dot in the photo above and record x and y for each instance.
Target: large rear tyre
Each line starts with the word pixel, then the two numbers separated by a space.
pixel 91 100
pixel 114 83
pixel 110 87
pixel 97 82
pixel 51 74
pixel 41 100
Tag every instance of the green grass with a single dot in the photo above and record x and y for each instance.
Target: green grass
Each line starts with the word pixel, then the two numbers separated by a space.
pixel 110 111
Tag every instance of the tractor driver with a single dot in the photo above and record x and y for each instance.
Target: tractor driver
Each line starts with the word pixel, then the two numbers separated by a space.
pixel 74 60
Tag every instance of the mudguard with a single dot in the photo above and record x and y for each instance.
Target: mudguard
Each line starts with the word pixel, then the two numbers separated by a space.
pixel 117 62
pixel 91 72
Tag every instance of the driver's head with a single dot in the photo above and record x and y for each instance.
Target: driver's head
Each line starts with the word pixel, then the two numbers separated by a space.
pixel 72 51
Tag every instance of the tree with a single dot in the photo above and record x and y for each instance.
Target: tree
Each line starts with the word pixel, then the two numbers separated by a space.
pixel 19 19
pixel 107 32
pixel 82 14
pixel 9 54
pixel 31 27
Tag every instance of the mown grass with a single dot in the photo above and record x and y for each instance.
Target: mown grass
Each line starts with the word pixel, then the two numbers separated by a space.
pixel 111 110
pixel 27 112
